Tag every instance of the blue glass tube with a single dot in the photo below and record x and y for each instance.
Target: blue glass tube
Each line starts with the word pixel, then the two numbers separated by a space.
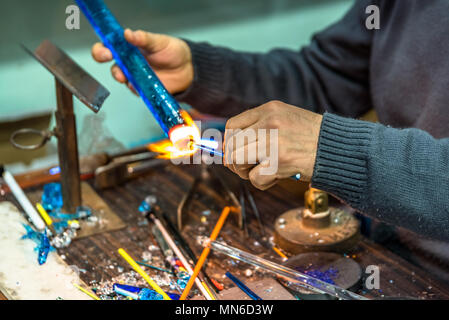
pixel 131 61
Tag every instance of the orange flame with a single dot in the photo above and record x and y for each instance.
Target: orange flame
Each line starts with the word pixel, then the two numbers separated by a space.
pixel 168 151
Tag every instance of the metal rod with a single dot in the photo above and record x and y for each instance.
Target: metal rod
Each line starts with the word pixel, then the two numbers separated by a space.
pixel 243 208
pixel 67 149
pixel 254 208
pixel 154 267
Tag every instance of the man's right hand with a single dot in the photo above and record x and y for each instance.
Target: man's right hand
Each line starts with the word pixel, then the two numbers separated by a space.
pixel 169 57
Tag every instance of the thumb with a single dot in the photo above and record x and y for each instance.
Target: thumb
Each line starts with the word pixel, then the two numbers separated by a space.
pixel 151 42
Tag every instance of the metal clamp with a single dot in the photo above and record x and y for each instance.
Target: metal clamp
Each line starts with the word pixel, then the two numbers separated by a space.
pixel 45 134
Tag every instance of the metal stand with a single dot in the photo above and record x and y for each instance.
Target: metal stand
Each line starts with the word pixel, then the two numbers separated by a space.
pixel 70 80
pixel 67 148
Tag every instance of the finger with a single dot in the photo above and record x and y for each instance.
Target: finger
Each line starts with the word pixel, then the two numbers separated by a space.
pixel 241 160
pixel 118 74
pixel 243 120
pixel 243 170
pixel 133 90
pixel 100 53
pixel 152 42
pixel 235 139
pixel 260 179
pixel 240 122
pixel 246 155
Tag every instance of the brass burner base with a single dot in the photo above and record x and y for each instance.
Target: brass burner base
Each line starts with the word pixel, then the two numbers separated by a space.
pixel 292 236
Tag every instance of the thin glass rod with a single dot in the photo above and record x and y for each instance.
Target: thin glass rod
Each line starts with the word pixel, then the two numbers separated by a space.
pixel 296 277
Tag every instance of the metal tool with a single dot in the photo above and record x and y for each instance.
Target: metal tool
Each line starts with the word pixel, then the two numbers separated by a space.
pixel 185 201
pixel 125 168
pixel 317 227
pixel 204 175
pixel 88 165
pixel 229 193
pixel 71 80
pixel 243 208
pixel 254 209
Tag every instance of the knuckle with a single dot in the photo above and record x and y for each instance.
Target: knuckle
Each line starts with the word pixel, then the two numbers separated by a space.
pixel 274 121
pixel 273 105
pixel 270 108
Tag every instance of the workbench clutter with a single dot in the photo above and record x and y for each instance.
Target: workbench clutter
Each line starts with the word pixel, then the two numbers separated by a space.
pixel 199 241
pixel 159 221
pixel 176 272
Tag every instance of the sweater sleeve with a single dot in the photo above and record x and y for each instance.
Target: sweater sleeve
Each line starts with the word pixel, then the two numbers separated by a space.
pixel 397 176
pixel 332 73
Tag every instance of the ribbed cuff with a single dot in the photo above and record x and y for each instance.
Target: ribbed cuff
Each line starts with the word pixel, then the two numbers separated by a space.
pixel 208 73
pixel 341 166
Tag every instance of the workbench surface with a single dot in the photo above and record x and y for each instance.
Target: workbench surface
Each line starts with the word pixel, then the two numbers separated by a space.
pixel 98 259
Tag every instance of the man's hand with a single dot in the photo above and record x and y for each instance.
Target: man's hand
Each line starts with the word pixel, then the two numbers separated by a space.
pixel 298 132
pixel 169 57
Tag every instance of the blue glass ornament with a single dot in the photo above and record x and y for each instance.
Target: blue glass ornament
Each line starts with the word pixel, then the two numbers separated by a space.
pixel 52 197
pixel 43 247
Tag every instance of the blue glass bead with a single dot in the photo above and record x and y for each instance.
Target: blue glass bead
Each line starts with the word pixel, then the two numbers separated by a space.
pixel 147 294
pixel 83 212
pixel 181 283
pixel 144 207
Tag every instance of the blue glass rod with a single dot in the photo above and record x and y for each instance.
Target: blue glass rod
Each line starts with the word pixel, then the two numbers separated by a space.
pixel 131 61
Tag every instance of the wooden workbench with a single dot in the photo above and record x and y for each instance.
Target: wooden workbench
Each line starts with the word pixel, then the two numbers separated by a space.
pixel 98 258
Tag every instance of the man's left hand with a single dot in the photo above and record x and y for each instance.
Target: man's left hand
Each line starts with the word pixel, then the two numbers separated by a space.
pixel 297 131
